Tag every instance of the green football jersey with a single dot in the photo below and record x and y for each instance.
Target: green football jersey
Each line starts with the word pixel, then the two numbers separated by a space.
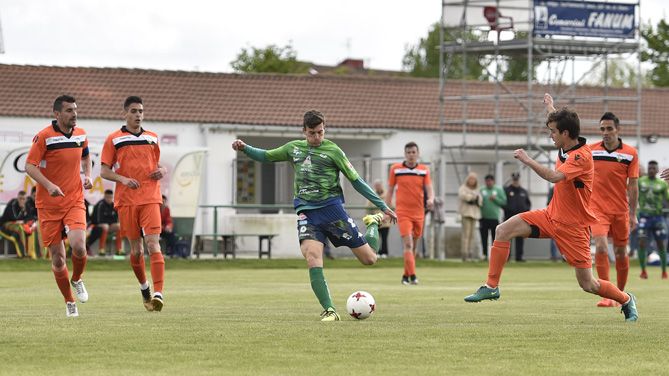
pixel 316 169
pixel 652 193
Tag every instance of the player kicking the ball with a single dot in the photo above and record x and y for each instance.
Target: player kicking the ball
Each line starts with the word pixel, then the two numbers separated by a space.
pixel 319 202
pixel 566 219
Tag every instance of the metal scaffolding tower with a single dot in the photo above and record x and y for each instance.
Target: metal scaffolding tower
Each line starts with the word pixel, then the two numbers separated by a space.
pixel 498 31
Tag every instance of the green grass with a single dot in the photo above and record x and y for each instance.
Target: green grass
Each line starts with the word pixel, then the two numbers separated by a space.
pixel 261 318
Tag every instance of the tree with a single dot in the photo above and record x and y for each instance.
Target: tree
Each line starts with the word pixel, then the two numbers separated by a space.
pixel 422 59
pixel 516 68
pixel 271 59
pixel 619 73
pixel 657 52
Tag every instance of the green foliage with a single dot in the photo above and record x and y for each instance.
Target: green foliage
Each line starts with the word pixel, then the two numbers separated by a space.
pixel 619 73
pixel 422 59
pixel 271 59
pixel 517 68
pixel 241 321
pixel 657 51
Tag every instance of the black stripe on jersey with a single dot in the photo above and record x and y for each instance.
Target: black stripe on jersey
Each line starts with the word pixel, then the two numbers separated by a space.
pixel 610 159
pixel 133 142
pixel 410 174
pixel 64 145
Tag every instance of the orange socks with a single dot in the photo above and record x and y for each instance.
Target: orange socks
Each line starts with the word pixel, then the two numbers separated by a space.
pixel 409 263
pixel 63 282
pixel 602 265
pixel 138 266
pixel 157 271
pixel 499 253
pixel 622 269
pixel 78 265
pixel 610 291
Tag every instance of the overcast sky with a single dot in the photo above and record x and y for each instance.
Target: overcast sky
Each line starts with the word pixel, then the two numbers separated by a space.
pixel 208 35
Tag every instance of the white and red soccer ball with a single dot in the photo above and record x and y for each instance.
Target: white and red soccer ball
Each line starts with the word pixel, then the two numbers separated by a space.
pixel 360 305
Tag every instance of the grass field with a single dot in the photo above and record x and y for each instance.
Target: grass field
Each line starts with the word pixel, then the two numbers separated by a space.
pixel 251 317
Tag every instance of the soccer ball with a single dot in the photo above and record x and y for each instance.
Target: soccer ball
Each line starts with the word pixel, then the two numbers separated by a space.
pixel 360 305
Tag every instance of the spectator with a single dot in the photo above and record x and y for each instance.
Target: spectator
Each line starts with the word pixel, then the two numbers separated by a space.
pixel 167 228
pixel 34 223
pixel 14 222
pixel 384 227
pixel 105 221
pixel 494 199
pixel 470 212
pixel 517 201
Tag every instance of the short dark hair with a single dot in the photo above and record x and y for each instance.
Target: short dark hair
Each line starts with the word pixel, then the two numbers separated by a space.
pixel 58 103
pixel 313 118
pixel 164 197
pixel 130 100
pixel 33 189
pixel 411 144
pixel 611 116
pixel 652 163
pixel 566 120
pixel 489 177
pixel 109 192
pixel 21 193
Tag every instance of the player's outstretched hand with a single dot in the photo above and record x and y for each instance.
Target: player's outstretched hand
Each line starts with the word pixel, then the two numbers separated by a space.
pixel 389 214
pixel 238 145
pixel 665 175
pixel 548 102
pixel 88 183
pixel 521 155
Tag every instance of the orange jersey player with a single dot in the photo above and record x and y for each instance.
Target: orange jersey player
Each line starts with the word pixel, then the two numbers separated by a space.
pixel 566 219
pixel 413 183
pixel 58 153
pixel 616 180
pixel 131 158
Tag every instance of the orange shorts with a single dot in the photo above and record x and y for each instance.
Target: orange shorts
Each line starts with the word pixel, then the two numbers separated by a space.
pixel 409 225
pixel 617 226
pixel 56 223
pixel 139 220
pixel 572 241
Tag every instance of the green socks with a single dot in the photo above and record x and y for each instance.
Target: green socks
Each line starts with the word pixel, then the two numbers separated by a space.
pixel 320 287
pixel 642 258
pixel 372 236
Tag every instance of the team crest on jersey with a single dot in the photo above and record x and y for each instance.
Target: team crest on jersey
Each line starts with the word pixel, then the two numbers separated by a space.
pixel 577 157
pixel 302 217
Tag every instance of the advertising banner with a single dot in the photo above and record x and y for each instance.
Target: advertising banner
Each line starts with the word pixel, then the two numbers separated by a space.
pixel 584 18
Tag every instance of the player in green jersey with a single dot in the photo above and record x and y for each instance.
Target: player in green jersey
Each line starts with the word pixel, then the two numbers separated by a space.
pixel 319 199
pixel 652 194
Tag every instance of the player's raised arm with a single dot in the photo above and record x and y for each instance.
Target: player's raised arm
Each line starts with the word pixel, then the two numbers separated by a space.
pixel 546 173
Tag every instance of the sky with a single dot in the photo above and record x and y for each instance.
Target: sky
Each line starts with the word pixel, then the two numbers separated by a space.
pixel 207 35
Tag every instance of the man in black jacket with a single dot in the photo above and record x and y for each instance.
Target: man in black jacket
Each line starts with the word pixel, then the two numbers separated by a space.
pixel 105 221
pixel 14 223
pixel 517 201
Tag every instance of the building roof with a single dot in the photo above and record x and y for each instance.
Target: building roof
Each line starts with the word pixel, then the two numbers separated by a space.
pixel 280 100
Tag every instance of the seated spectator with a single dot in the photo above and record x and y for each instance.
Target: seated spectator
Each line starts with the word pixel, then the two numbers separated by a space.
pixel 167 228
pixel 31 208
pixel 15 222
pixel 105 221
